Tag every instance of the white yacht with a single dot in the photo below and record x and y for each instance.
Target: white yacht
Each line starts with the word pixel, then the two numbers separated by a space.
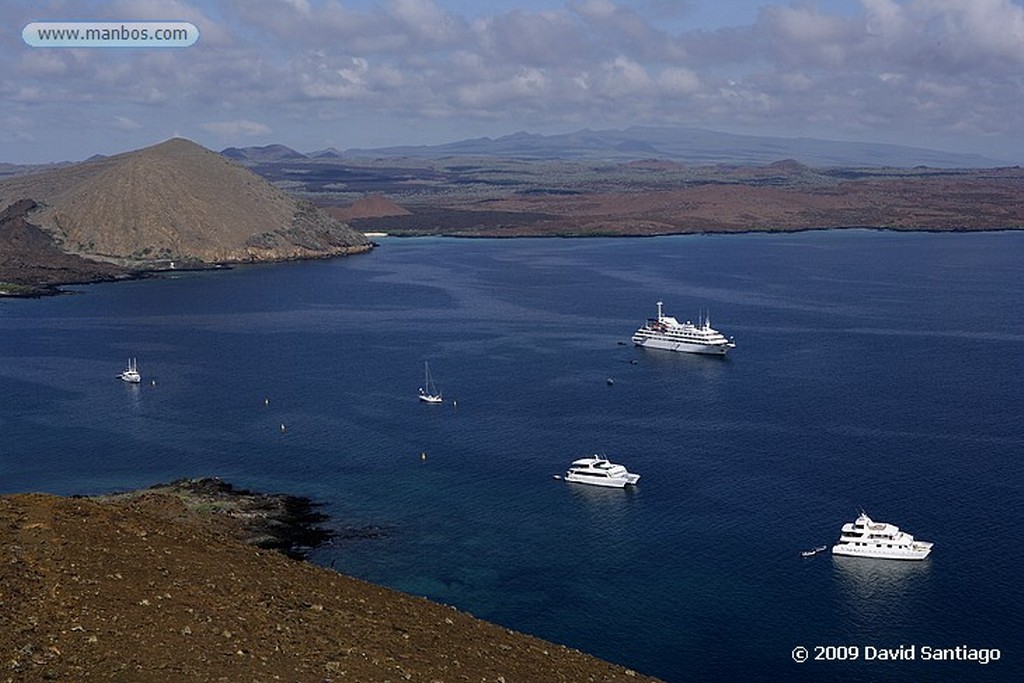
pixel 429 393
pixel 597 470
pixel 667 333
pixel 131 373
pixel 867 538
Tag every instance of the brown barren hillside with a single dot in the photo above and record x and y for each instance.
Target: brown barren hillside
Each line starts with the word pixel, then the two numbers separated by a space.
pixel 982 200
pixel 30 262
pixel 520 198
pixel 175 201
pixel 372 206
pixel 146 590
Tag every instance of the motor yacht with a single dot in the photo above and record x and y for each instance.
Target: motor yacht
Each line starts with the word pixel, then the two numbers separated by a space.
pixel 597 470
pixel 868 538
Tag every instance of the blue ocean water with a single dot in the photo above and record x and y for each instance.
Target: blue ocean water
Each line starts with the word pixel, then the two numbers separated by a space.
pixel 875 371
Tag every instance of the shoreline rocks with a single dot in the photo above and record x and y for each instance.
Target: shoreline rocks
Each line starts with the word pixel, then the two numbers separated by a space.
pixel 140 586
pixel 274 521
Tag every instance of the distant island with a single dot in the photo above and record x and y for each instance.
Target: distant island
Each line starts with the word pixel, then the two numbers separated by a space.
pixel 646 181
pixel 179 205
pixel 173 205
pixel 510 198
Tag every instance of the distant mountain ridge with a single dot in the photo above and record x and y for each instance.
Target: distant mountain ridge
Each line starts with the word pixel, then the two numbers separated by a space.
pixel 265 153
pixel 692 146
pixel 175 201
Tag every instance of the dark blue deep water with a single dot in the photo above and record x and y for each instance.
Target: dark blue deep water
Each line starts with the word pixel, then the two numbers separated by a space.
pixel 873 370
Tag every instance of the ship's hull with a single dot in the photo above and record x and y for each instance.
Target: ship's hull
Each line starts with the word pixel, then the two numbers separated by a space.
pixel 607 482
pixel 681 346
pixel 881 553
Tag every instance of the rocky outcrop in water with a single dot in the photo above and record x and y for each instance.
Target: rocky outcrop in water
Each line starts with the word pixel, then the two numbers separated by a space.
pixel 275 521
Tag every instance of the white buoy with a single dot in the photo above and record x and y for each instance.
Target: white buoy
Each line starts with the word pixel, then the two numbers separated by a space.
pixel 282 426
pixel 423 455
pixel 266 401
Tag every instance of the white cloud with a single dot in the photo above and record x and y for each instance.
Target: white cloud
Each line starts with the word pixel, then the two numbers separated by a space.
pixel 45 64
pixel 30 93
pixel 424 20
pixel 524 88
pixel 539 39
pixel 802 35
pixel 884 18
pixel 677 80
pixel 624 77
pixel 236 128
pixel 596 10
pixel 125 123
pixel 211 32
pixel 912 65
pixel 16 129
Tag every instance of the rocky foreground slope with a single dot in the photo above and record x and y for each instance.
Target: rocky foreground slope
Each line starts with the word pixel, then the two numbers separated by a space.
pixel 144 588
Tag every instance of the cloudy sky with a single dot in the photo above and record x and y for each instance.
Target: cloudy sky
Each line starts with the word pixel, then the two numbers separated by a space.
pixel 944 74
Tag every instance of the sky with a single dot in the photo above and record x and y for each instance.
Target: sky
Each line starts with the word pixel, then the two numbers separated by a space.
pixel 312 74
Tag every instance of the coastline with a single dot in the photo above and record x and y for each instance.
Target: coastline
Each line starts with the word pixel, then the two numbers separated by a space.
pixel 272 521
pixel 141 585
pixel 12 288
pixel 14 285
pixel 708 232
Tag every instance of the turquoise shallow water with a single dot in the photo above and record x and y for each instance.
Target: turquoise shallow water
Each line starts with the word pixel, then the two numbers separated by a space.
pixel 872 370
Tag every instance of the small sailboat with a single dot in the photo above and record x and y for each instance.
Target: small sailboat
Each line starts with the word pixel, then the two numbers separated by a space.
pixel 131 373
pixel 429 392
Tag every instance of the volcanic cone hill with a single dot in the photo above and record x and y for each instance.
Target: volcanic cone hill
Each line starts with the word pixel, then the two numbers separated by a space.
pixel 176 201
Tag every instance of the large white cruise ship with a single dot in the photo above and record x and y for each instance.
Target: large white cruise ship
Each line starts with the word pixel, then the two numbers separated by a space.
pixel 665 332
pixel 867 538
